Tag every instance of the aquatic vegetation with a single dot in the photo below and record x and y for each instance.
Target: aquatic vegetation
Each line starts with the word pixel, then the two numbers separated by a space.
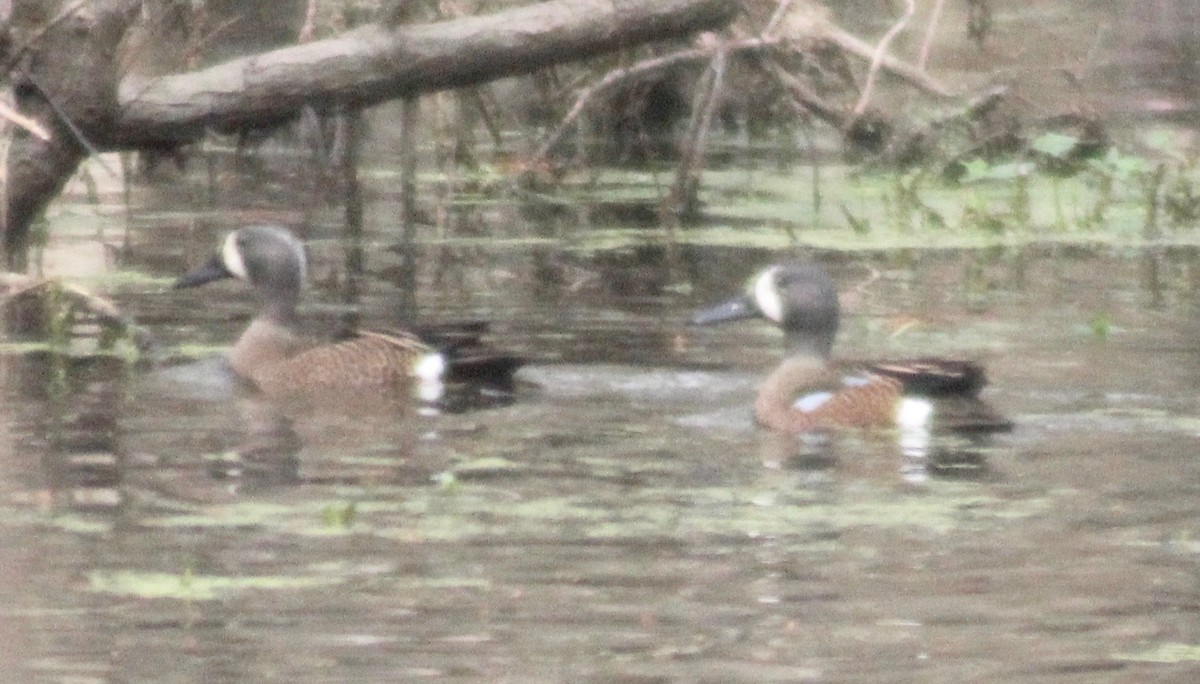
pixel 339 515
pixel 1101 326
pixel 446 480
pixel 485 511
pixel 193 351
pixel 1053 196
pixel 1164 653
pixel 487 466
pixel 189 585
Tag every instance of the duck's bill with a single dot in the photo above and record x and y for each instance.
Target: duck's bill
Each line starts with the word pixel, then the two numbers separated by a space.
pixel 213 270
pixel 731 310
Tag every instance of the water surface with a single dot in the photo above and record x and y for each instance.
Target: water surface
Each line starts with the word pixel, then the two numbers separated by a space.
pixel 624 520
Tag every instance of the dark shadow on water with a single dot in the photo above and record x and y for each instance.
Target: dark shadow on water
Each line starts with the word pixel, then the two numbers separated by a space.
pixel 67 412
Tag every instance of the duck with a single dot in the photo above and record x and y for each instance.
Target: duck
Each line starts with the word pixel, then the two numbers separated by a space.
pixel 810 392
pixel 273 358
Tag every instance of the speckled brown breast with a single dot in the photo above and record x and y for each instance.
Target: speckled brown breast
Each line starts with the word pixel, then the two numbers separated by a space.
pixel 859 406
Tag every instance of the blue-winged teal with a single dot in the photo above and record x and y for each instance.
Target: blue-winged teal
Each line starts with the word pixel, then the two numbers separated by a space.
pixel 807 391
pixel 277 361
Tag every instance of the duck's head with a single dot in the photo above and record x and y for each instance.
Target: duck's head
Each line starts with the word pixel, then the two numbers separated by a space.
pixel 799 297
pixel 269 258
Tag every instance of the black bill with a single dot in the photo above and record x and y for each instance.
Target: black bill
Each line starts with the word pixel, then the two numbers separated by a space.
pixel 210 271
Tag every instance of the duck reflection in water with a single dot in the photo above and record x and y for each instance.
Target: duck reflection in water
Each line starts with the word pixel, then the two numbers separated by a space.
pixel 809 394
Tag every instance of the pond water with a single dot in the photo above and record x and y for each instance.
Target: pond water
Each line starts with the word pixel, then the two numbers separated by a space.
pixel 623 520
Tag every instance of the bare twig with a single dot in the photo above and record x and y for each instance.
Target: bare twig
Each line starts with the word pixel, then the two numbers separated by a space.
pixel 309 28
pixel 191 53
pixel 5 146
pixel 842 39
pixel 860 48
pixel 647 66
pixel 877 58
pixel 776 17
pixel 804 98
pixel 610 80
pixel 31 125
pixel 78 134
pixel 703 106
pixel 927 44
pixel 19 52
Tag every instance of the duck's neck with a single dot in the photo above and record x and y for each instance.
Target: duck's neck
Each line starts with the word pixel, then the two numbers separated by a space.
pixel 264 343
pixel 279 309
pixel 813 343
pixel 797 375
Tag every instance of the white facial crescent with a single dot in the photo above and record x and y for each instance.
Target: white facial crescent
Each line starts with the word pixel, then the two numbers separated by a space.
pixel 231 256
pixel 766 295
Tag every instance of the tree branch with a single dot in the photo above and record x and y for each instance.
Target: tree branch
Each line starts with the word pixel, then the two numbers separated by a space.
pixel 373 64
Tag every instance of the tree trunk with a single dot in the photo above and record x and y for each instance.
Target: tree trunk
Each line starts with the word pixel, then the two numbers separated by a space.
pixel 66 81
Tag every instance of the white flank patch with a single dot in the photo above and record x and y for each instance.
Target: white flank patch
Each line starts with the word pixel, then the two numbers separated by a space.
pixel 232 257
pixel 913 418
pixel 428 373
pixel 913 413
pixel 810 402
pixel 301 259
pixel 766 295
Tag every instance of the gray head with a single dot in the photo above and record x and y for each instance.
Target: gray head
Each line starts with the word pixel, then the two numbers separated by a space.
pixel 799 297
pixel 269 258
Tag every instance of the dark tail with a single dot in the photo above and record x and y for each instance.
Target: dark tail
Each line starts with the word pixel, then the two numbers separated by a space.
pixel 935 378
pixel 468 359
pixel 481 365
pixel 954 387
pixel 968 414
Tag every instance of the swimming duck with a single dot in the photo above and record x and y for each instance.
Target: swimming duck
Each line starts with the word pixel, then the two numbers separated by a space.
pixel 807 391
pixel 275 359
